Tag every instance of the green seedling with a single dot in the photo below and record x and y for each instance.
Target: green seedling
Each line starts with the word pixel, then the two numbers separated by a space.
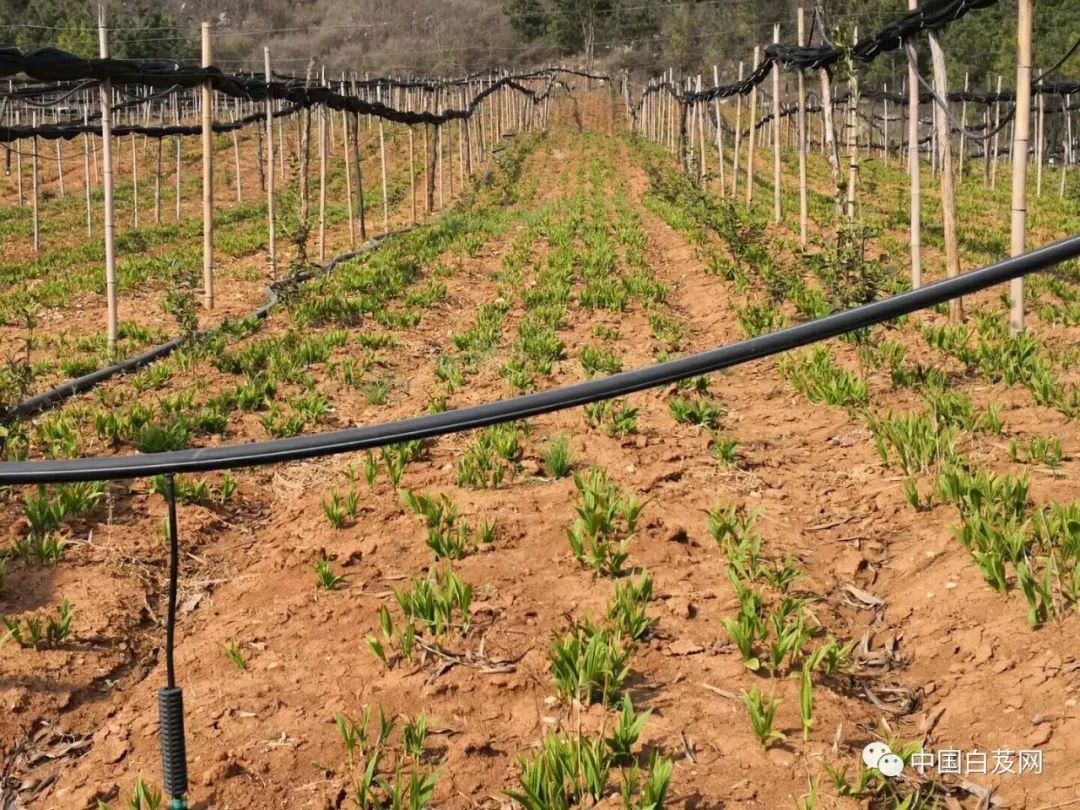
pixel 325 576
pixel 558 460
pixel 589 664
pixel 235 654
pixel 627 610
pixel 762 713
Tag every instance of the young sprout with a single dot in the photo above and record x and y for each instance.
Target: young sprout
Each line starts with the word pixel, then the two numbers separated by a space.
pixel 326 577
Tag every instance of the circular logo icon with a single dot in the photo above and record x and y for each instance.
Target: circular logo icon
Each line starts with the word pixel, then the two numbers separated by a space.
pixel 874 752
pixel 890 765
pixel 877 755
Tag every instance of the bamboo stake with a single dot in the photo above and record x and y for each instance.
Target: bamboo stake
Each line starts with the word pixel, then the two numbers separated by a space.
pixel 86 173
pixel 60 168
pixel 948 199
pixel 1067 156
pixel 913 166
pixel 134 183
pixel 852 136
pixel 734 154
pixel 412 174
pixel 719 132
pixel 348 172
pixel 801 120
pixel 177 112
pixel 18 162
pixel 382 160
pixel 997 125
pixel 322 185
pixel 829 139
pixel 885 137
pixel 751 138
pixel 270 226
pixel 359 177
pixel 1040 140
pixel 963 130
pixel 157 171
pixel 107 170
pixel 1020 154
pixel 208 172
pixel 34 184
pixel 236 161
pixel 776 130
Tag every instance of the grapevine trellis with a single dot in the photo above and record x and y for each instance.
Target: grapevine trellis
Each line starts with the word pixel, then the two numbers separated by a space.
pixel 682 115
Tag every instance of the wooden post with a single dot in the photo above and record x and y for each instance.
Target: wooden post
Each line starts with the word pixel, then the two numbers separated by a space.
pixel 176 117
pixel 134 183
pixel 719 131
pixel 1067 155
pixel 157 170
pixel 348 172
pixel 702 162
pixel 1040 141
pixel 359 177
pixel 271 228
pixel 412 174
pixel 322 185
pixel 107 170
pixel 34 184
pixel 997 134
pixel 776 129
pixel 963 132
pixel 829 139
pixel 60 167
pixel 1020 156
pixel 915 178
pixel 852 135
pixel 382 160
pixel 738 139
pixel 750 139
pixel 885 123
pixel 18 162
pixel 801 120
pixel 86 173
pixel 948 200
pixel 236 161
pixel 208 172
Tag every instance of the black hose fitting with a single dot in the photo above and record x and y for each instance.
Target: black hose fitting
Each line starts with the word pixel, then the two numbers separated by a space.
pixel 173 750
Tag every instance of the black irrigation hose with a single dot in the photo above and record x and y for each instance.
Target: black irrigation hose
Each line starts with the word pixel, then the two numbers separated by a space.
pixel 508 410
pixel 66 390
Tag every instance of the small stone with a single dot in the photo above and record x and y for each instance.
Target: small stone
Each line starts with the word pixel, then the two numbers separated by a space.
pixel 531 467
pixel 1041 735
pixel 678 534
pixel 221 770
pixel 742 791
pixel 684 646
